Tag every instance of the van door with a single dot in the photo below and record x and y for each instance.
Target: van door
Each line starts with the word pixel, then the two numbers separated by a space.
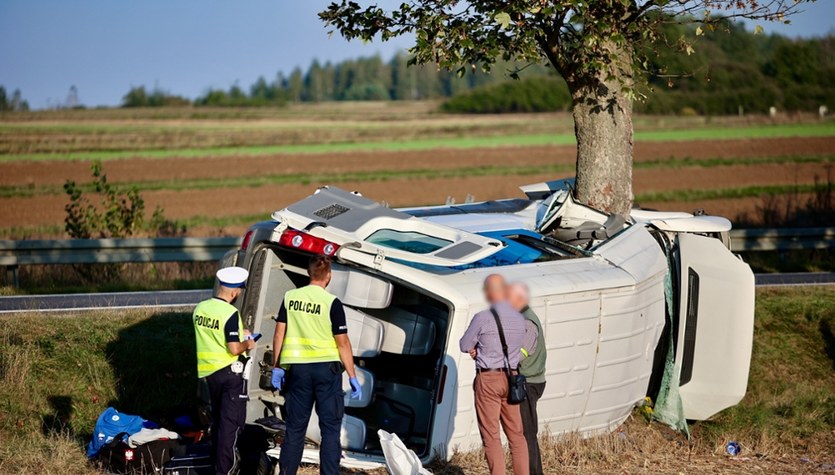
pixel 263 296
pixel 361 225
pixel 716 325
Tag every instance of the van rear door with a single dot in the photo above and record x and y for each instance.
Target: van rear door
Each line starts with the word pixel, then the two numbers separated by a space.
pixel 358 224
pixel 716 325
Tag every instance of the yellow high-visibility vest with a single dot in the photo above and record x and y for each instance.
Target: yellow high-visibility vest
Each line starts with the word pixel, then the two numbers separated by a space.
pixel 309 337
pixel 209 319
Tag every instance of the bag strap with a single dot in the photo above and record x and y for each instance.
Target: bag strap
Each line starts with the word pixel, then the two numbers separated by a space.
pixel 501 337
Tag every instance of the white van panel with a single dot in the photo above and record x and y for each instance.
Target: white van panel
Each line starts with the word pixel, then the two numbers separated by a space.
pixel 571 324
pixel 631 323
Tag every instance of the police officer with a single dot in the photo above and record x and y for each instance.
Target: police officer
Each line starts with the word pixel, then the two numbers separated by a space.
pixel 311 344
pixel 221 342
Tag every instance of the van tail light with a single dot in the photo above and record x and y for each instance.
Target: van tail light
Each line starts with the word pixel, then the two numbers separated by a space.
pixel 305 242
pixel 247 239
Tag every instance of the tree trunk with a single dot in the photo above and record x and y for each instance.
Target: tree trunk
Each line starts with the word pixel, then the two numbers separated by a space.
pixel 603 127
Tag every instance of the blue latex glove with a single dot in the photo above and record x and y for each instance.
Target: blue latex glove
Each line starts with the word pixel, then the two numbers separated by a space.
pixel 356 388
pixel 278 378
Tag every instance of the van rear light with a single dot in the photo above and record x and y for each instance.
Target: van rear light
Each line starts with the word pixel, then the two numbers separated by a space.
pixel 247 239
pixel 305 242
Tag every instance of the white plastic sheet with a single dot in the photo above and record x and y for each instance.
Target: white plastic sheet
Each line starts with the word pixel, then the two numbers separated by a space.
pixel 399 459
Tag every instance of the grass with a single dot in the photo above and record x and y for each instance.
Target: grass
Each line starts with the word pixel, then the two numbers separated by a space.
pixel 820 129
pixel 83 278
pixel 57 373
pixel 791 389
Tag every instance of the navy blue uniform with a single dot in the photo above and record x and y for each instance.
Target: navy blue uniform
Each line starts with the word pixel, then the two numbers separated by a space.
pixel 228 394
pixel 320 383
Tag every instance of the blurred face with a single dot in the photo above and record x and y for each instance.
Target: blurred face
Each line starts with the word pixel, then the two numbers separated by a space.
pixel 518 296
pixel 495 289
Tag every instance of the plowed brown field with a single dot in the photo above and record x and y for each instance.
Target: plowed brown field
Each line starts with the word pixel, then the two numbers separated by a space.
pixel 49 209
pixel 131 170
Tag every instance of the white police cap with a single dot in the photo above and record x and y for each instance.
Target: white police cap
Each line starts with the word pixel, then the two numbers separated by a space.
pixel 232 277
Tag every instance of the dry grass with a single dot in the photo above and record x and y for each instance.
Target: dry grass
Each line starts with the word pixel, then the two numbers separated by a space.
pixel 57 373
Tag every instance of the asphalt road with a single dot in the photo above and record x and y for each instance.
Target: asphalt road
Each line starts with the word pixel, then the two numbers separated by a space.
pixel 186 299
pixel 168 299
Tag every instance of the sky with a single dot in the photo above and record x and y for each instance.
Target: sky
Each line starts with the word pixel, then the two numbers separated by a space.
pixel 104 47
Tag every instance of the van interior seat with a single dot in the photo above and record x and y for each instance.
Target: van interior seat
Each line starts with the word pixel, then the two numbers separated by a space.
pixel 419 400
pixel 404 332
pixel 351 436
pixel 366 380
pixel 365 332
pixel 591 230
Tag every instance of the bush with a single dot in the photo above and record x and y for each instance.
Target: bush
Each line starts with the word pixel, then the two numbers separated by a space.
pixel 116 215
pixel 139 97
pixel 534 94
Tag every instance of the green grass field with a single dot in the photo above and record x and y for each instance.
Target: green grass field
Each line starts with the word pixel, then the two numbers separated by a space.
pixel 59 372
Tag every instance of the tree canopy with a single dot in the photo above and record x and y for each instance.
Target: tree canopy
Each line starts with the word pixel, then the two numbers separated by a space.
pixel 599 47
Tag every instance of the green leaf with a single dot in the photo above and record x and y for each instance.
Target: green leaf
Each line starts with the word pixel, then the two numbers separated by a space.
pixel 503 19
pixel 758 30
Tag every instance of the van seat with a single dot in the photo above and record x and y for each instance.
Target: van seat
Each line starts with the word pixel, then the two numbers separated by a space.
pixel 417 399
pixel 591 230
pixel 365 333
pixel 404 332
pixel 366 379
pixel 351 436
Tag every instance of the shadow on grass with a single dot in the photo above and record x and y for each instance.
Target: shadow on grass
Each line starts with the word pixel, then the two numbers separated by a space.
pixel 57 422
pixel 154 365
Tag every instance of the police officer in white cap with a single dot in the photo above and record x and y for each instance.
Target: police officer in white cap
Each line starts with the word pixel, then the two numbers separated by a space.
pixel 222 343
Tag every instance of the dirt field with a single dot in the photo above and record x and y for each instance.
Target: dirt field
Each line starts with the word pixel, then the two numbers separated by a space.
pixel 262 200
pixel 219 195
pixel 134 170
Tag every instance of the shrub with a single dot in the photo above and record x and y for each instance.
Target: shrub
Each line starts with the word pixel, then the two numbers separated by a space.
pixel 534 94
pixel 116 215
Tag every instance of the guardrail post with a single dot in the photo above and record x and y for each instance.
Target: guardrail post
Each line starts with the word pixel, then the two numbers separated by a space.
pixel 11 275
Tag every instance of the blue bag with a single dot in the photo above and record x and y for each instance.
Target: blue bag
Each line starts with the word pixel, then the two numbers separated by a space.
pixel 110 424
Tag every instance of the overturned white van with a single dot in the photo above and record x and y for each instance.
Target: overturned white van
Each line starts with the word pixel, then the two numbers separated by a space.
pixel 411 279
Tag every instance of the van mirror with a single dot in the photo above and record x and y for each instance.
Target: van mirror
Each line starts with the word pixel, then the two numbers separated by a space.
pixel 360 289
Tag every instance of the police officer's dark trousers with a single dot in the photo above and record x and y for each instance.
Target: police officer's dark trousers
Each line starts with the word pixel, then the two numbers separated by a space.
pixel 308 383
pixel 228 393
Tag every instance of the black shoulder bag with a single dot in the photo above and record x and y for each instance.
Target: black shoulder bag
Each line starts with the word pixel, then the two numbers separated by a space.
pixel 517 384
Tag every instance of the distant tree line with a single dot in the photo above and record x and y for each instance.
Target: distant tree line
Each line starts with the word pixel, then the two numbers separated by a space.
pixel 14 103
pixel 729 69
pixel 139 97
pixel 363 79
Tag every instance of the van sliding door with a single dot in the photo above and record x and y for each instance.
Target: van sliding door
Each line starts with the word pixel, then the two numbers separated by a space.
pixel 716 326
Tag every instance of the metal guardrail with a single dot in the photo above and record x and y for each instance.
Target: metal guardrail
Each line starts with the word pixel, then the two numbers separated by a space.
pixel 788 239
pixel 136 250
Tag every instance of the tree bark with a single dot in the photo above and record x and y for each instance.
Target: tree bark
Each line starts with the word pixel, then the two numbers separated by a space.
pixel 603 127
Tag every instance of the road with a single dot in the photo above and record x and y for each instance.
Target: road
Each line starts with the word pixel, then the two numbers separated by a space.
pixel 186 299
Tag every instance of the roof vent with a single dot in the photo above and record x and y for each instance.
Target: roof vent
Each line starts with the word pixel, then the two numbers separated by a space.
pixel 331 211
